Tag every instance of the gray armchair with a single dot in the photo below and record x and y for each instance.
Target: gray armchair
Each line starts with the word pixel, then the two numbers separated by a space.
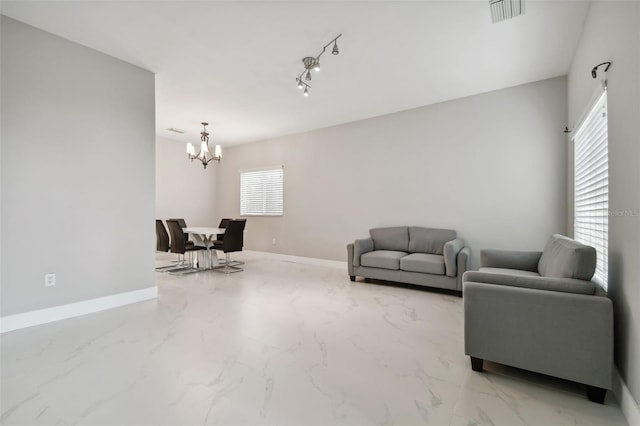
pixel 539 311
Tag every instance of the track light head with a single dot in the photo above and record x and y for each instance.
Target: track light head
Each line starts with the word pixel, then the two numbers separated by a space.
pixel 335 50
pixel 306 91
pixel 308 77
pixel 316 67
pixel 300 84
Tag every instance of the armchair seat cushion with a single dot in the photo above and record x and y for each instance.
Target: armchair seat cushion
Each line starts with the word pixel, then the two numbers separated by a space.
pixel 422 262
pixel 563 285
pixel 385 259
pixel 508 271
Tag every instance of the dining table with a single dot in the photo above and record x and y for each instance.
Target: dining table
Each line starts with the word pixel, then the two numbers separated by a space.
pixel 204 236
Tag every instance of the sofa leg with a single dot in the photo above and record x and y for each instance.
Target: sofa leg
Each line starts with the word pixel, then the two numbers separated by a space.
pixel 596 394
pixel 476 363
pixel 353 277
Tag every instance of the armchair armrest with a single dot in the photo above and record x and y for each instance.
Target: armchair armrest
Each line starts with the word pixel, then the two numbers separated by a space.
pixel 563 285
pixel 463 265
pixel 350 259
pixel 450 251
pixel 361 247
pixel 510 259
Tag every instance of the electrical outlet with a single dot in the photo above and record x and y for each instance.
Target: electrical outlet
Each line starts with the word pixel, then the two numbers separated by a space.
pixel 50 279
pixel 273 241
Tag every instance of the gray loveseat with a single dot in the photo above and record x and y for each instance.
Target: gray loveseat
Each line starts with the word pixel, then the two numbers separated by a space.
pixel 540 311
pixel 410 254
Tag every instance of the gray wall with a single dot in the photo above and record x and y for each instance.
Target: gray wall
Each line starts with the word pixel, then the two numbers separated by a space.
pixel 492 166
pixel 612 33
pixel 183 188
pixel 77 172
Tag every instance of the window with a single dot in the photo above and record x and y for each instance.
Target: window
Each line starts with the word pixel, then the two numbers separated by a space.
pixel 261 192
pixel 591 185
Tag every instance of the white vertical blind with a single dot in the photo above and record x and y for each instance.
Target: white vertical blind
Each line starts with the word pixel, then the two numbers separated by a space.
pixel 591 180
pixel 261 192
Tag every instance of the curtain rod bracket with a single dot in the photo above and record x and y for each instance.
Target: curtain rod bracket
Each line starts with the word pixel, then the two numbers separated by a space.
pixel 594 70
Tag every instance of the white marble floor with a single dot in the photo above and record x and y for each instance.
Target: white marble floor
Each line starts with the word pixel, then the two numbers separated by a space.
pixel 281 343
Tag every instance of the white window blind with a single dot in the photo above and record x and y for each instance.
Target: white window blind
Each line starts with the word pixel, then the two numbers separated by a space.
pixel 261 192
pixel 591 180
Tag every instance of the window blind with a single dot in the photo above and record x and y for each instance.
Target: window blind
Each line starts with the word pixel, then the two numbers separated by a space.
pixel 261 192
pixel 591 185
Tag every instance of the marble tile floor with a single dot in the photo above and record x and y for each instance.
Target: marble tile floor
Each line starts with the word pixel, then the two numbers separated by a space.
pixel 282 343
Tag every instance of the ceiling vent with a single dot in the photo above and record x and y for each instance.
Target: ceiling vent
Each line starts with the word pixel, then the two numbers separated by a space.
pixel 505 9
pixel 173 129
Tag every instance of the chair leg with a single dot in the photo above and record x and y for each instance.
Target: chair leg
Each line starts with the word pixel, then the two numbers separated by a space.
pixel 228 269
pixel 596 394
pixel 175 265
pixel 476 363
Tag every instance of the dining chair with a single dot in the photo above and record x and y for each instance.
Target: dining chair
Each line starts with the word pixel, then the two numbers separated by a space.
pixel 232 242
pixel 183 224
pixel 162 245
pixel 244 224
pixel 179 245
pixel 162 237
pixel 223 224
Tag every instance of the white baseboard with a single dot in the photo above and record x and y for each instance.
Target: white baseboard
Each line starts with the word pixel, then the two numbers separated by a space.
pixel 628 404
pixel 301 259
pixel 56 313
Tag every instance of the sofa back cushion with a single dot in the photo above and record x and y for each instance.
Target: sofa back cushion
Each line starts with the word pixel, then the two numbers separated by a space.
pixel 566 258
pixel 392 238
pixel 429 240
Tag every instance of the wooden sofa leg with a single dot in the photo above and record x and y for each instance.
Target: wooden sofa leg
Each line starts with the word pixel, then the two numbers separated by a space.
pixel 353 277
pixel 596 394
pixel 476 363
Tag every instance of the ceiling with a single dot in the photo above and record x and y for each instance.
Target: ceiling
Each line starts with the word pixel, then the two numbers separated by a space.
pixel 234 63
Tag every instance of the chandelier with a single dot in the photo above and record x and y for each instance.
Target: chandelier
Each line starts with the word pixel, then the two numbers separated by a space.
pixel 204 155
pixel 313 63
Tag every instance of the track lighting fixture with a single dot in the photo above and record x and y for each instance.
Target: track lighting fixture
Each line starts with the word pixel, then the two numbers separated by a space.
pixel 313 63
pixel 204 155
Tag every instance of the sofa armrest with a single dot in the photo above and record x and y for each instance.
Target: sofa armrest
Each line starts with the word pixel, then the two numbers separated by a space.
pixel 564 285
pixel 560 334
pixel 450 251
pixel 464 257
pixel 361 247
pixel 350 259
pixel 510 259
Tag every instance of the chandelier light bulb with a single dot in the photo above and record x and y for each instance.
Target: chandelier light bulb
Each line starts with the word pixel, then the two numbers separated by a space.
pixel 300 85
pixel 335 50
pixel 306 92
pixel 308 77
pixel 316 67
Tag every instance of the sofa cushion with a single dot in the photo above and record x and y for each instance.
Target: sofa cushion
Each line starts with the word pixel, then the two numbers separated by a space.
pixel 508 271
pixel 429 240
pixel 385 259
pixel 566 258
pixel 423 262
pixel 392 238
